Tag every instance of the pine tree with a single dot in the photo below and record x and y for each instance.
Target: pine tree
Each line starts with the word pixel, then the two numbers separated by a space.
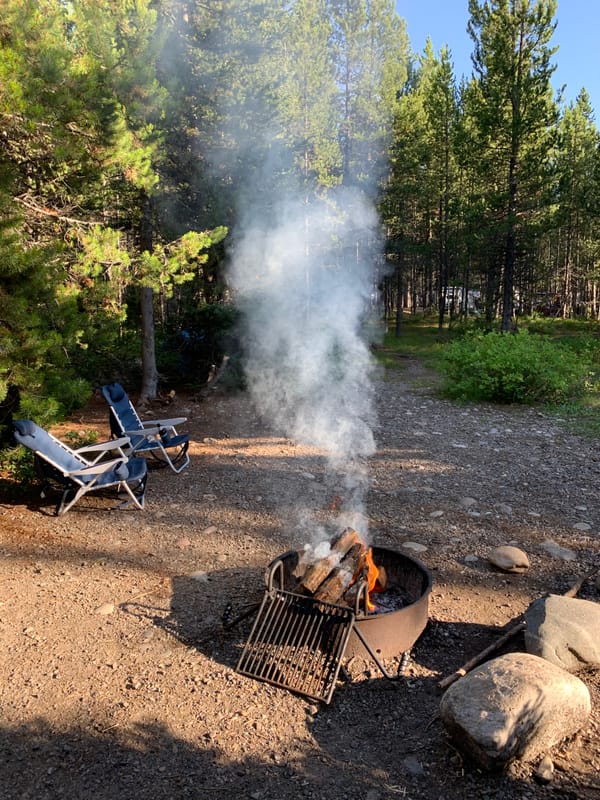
pixel 513 115
pixel 576 220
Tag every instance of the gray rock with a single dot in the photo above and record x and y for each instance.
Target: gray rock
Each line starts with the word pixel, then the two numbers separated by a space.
pixel 564 631
pixel 515 706
pixel 467 502
pixel 413 766
pixel 509 559
pixel 417 547
pixel 545 770
pixel 582 526
pixel 555 550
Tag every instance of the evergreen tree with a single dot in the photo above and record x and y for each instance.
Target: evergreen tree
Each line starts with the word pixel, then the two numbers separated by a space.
pixel 576 221
pixel 513 116
pixel 308 96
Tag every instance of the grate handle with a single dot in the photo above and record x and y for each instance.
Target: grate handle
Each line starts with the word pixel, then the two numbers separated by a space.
pixel 276 567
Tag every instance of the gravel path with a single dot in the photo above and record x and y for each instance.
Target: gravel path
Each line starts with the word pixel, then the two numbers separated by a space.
pixel 117 678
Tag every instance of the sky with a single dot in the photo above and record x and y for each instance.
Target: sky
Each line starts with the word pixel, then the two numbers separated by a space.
pixel 577 35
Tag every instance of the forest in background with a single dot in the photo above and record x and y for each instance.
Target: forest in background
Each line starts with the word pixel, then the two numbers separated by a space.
pixel 134 134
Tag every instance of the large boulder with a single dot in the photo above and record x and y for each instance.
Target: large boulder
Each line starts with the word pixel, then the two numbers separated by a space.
pixel 515 706
pixel 564 630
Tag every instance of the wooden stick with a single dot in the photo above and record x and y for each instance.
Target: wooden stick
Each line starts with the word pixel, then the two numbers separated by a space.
pixel 573 591
pixel 473 662
pixel 513 631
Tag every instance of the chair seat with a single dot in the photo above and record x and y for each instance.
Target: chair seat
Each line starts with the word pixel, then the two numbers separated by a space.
pixel 141 443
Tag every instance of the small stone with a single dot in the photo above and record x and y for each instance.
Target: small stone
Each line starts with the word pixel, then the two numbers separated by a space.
pixel 509 559
pixel 435 514
pixel 200 576
pixel 105 609
pixel 467 502
pixel 183 543
pixel 415 546
pixel 582 526
pixel 545 770
pixel 413 766
pixel 554 549
pixel 210 530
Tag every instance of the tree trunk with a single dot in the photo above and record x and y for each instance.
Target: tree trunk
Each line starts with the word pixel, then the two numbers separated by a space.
pixel 149 371
pixel 399 294
pixel 149 387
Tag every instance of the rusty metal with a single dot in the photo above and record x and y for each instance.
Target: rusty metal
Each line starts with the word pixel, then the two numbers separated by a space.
pixel 389 633
pixel 298 642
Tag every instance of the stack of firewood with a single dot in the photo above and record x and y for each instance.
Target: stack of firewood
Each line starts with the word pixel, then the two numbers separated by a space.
pixel 338 576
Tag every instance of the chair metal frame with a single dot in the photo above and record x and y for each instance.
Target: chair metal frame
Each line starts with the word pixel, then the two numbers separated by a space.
pixel 85 469
pixel 147 437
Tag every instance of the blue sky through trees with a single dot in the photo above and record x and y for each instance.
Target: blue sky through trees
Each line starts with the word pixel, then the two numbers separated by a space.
pixel 577 35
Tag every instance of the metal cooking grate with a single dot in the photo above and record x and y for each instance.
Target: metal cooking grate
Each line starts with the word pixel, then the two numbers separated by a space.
pixel 297 643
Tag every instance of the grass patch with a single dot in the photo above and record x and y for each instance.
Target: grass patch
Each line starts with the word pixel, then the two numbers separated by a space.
pixel 581 417
pixel 553 363
pixel 420 338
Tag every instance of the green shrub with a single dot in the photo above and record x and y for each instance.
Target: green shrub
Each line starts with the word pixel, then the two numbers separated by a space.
pixel 514 368
pixel 53 399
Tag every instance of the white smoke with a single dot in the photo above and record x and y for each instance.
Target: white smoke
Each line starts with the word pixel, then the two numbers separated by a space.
pixel 303 276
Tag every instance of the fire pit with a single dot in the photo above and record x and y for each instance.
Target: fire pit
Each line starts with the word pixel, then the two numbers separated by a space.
pixel 401 613
pixel 298 640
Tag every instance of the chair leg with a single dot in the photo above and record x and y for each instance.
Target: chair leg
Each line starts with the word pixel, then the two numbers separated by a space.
pixel 174 463
pixel 63 506
pixel 138 495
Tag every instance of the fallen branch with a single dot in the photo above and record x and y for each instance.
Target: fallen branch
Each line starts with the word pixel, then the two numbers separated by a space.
pixel 518 626
pixel 482 656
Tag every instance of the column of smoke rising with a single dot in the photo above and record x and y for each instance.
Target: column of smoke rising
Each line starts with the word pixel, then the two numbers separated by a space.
pixel 303 276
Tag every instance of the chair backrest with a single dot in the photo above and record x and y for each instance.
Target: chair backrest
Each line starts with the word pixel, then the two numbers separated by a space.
pixel 123 415
pixel 45 445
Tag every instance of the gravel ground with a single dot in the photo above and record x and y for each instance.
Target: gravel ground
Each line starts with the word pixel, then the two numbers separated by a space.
pixel 117 676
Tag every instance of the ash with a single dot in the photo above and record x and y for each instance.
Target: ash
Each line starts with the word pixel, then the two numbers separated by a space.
pixel 392 599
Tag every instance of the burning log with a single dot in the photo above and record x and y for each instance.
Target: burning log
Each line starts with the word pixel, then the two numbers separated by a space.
pixel 341 577
pixel 316 573
pixel 338 576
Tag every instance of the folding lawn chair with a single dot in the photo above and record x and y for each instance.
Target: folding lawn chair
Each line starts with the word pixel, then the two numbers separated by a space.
pixel 158 437
pixel 77 472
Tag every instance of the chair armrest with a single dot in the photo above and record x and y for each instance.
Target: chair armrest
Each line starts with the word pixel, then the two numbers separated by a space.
pixel 165 423
pixel 98 468
pixel 100 448
pixel 113 444
pixel 145 431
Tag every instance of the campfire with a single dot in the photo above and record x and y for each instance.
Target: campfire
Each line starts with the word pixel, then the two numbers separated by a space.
pixel 353 601
pixel 345 575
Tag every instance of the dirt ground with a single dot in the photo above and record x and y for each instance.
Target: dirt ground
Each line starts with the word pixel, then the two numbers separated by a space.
pixel 118 678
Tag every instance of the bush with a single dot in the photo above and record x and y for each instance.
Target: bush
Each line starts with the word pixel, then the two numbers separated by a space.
pixel 514 368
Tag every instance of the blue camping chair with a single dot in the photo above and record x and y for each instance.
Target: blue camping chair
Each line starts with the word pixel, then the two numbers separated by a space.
pixel 77 474
pixel 157 438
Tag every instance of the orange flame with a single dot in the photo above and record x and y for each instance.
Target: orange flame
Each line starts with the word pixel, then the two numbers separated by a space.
pixel 372 573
